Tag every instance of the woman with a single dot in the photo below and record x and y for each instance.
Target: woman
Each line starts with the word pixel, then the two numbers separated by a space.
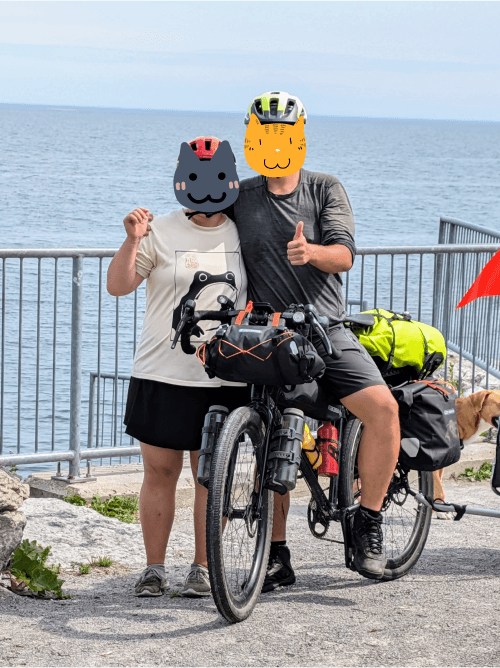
pixel 183 255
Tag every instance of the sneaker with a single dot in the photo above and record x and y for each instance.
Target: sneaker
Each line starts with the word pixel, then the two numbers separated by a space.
pixel 279 570
pixel 150 583
pixel 197 582
pixel 368 542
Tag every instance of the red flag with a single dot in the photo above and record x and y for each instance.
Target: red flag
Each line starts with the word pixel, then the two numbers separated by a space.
pixel 487 284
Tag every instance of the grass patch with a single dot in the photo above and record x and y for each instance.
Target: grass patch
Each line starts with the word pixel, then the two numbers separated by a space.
pixel 104 562
pixel 29 570
pixel 84 569
pixel 121 508
pixel 483 472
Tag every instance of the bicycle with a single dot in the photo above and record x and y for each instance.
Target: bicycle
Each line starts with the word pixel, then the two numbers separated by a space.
pixel 240 497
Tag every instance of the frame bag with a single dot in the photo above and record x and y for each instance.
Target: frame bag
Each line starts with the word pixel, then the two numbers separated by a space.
pixel 429 429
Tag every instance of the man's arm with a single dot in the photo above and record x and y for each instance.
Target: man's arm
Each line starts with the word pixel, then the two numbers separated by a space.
pixel 332 259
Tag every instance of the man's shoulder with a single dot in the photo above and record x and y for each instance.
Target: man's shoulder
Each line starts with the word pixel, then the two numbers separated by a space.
pixel 318 178
pixel 253 183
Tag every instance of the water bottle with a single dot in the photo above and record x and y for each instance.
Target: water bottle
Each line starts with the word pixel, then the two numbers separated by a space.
pixel 214 421
pixel 311 449
pixel 284 458
pixel 328 446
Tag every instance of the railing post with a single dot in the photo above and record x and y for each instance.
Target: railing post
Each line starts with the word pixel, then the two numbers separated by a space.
pixel 75 401
pixel 76 366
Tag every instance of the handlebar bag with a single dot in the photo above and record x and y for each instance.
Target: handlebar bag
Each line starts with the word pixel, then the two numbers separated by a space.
pixel 260 355
pixel 429 429
pixel 402 348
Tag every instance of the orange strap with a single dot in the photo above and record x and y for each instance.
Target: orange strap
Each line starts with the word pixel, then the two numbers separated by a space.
pixel 276 319
pixel 242 314
pixel 439 387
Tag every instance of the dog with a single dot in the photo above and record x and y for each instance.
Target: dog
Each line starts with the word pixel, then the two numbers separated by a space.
pixel 475 413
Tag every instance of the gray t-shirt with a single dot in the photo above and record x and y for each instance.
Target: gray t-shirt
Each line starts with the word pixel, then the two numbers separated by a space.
pixel 266 223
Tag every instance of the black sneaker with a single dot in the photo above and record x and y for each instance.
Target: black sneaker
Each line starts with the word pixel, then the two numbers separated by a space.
pixel 368 542
pixel 279 570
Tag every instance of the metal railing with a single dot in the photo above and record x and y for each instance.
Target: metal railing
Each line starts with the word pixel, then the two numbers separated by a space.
pixel 75 331
pixel 472 332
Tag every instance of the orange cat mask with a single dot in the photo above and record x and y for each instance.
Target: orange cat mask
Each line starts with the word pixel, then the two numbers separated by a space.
pixel 275 149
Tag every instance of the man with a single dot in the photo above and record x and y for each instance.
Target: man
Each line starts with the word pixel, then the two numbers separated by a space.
pixel 297 236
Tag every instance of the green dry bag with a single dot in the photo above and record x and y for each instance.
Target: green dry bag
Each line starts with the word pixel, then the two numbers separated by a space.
pixel 402 348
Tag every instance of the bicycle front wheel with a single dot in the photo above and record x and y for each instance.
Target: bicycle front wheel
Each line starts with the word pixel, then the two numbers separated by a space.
pixel 238 525
pixel 406 522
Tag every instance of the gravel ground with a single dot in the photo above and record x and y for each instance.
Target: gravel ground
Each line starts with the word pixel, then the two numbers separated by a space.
pixel 445 613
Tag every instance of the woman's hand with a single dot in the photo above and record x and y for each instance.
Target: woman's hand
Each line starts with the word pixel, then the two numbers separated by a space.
pixel 137 223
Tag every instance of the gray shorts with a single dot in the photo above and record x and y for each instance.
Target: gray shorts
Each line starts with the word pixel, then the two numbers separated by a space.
pixel 353 372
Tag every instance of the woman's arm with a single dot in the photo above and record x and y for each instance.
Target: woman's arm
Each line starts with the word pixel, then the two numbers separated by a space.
pixel 122 276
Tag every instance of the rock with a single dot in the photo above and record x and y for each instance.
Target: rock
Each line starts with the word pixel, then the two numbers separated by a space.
pixel 13 492
pixel 12 523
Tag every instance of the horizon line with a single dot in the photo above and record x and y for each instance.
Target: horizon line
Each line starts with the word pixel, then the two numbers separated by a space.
pixel 203 111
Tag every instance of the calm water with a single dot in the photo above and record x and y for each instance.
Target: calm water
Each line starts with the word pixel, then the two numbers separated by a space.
pixel 68 177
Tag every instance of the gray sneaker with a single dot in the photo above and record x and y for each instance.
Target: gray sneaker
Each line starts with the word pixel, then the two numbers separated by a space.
pixel 197 582
pixel 150 583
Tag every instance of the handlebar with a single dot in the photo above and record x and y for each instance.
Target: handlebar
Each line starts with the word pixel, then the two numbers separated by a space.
pixel 293 319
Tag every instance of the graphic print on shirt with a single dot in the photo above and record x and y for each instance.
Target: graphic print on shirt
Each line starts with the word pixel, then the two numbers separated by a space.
pixel 212 274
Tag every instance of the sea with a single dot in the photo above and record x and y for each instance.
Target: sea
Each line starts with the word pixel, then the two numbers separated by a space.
pixel 68 176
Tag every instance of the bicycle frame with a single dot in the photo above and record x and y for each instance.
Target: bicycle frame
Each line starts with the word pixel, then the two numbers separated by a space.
pixel 262 402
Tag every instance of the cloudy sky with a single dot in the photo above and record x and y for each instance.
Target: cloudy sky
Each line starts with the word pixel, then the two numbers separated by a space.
pixel 437 60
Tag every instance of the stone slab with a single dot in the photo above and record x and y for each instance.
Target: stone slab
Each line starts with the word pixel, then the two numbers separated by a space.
pixel 126 479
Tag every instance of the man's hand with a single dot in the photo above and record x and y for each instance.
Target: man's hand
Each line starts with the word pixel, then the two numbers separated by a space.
pixel 299 250
pixel 137 223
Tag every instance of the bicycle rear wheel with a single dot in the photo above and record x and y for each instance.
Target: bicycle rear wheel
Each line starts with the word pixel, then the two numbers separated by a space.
pixel 238 528
pixel 406 522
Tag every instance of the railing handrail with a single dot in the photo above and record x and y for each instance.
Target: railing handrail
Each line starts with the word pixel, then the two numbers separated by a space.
pixel 368 250
pixel 470 226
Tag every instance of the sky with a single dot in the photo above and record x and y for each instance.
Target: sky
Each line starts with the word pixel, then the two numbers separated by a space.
pixel 433 60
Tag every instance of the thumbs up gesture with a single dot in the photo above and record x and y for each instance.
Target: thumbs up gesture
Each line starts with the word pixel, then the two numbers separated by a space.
pixel 299 251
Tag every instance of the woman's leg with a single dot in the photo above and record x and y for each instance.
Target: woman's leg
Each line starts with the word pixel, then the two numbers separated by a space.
pixel 200 516
pixel 162 468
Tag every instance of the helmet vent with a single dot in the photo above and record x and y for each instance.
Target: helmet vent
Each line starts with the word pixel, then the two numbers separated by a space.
pixel 207 145
pixel 193 146
pixel 273 106
pixel 275 92
pixel 258 106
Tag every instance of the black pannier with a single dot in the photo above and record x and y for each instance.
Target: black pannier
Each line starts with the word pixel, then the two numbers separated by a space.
pixel 260 355
pixel 429 429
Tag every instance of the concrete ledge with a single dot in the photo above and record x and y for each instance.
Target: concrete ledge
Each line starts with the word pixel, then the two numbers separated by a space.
pixel 126 479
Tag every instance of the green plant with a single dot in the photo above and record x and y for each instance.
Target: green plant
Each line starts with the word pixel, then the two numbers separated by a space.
pixel 29 569
pixel 483 472
pixel 451 379
pixel 84 569
pixel 13 468
pixel 121 508
pixel 104 562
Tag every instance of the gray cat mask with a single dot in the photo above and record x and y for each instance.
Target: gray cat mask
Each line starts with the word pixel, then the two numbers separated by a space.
pixel 206 185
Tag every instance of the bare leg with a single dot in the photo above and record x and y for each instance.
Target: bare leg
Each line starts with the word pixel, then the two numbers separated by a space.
pixel 281 508
pixel 162 468
pixel 200 516
pixel 379 448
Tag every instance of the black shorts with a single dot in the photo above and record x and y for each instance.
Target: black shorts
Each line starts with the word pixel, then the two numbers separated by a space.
pixel 172 416
pixel 353 372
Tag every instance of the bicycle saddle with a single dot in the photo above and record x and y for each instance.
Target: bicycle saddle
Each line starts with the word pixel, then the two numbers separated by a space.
pixel 363 319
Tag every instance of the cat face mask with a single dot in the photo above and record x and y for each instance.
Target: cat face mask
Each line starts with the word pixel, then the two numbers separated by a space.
pixel 206 185
pixel 275 149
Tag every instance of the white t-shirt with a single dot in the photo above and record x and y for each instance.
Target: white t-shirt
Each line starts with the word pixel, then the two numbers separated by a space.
pixel 181 261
